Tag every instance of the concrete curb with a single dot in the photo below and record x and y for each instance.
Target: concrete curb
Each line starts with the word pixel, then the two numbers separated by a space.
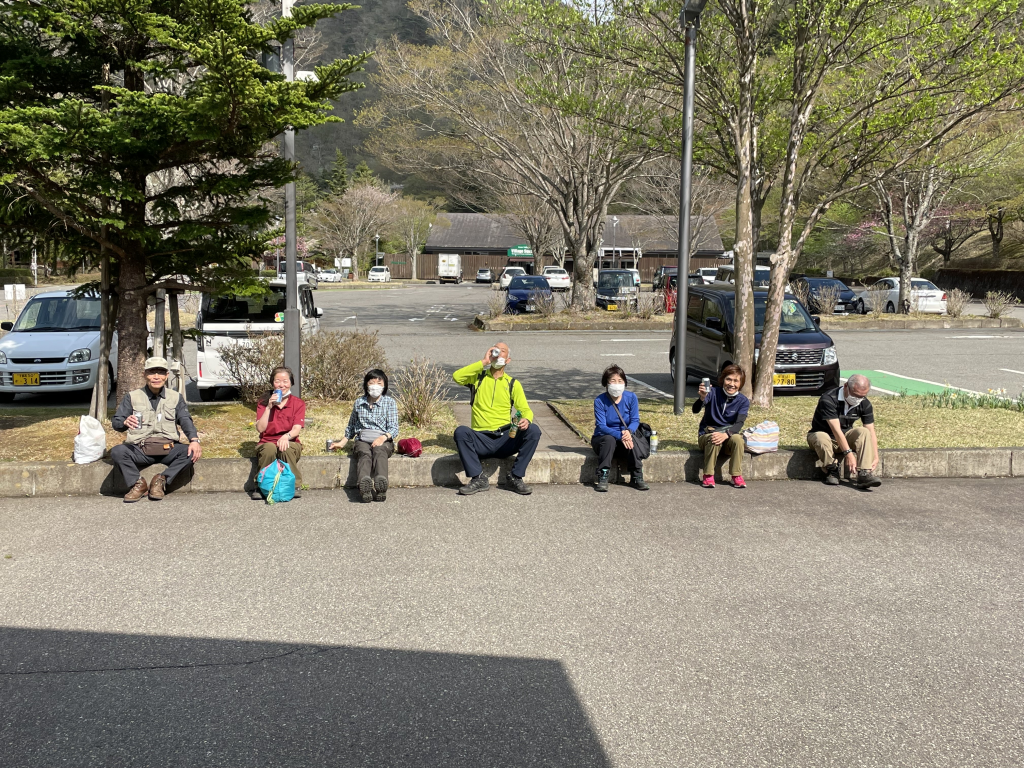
pixel 958 322
pixel 557 467
pixel 483 324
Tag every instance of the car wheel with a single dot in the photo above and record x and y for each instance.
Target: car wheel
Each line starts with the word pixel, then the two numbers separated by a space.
pixel 890 308
pixel 860 308
pixel 672 364
pixel 208 395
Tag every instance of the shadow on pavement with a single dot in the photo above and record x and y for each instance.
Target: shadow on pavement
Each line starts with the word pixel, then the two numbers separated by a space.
pixel 84 698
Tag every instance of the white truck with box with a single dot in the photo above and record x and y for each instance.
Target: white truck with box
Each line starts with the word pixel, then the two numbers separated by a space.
pixel 449 268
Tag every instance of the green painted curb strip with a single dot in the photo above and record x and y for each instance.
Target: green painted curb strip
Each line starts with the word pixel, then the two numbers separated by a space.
pixel 898 384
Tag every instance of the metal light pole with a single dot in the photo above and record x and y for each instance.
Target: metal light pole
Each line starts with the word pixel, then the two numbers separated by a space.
pixel 615 227
pixel 376 250
pixel 292 321
pixel 689 20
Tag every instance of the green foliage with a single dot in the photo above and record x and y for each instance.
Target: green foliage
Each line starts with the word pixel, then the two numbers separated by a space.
pixel 337 181
pixel 362 175
pixel 958 399
pixel 141 130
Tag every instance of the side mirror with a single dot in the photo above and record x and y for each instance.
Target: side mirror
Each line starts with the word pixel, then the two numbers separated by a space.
pixel 6 326
pixel 816 319
pixel 319 312
pixel 714 323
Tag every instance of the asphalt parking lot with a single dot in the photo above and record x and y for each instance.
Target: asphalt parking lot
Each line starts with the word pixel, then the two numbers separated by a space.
pixel 786 625
pixel 432 321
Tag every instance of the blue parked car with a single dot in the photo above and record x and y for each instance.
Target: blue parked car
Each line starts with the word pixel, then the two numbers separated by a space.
pixel 523 292
pixel 848 302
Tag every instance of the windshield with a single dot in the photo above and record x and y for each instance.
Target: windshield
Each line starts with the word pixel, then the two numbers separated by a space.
pixel 794 317
pixel 922 285
pixel 528 283
pixel 60 313
pixel 245 309
pixel 615 280
pixel 378 269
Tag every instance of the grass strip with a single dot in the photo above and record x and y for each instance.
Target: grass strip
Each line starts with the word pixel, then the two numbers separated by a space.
pixel 901 422
pixel 227 430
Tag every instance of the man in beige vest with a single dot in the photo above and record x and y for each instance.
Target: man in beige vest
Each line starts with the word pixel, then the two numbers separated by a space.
pixel 151 417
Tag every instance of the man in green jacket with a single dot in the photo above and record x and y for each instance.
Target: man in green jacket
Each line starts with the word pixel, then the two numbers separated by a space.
pixel 496 399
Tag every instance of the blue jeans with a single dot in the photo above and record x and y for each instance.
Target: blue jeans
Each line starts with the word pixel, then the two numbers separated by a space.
pixel 476 446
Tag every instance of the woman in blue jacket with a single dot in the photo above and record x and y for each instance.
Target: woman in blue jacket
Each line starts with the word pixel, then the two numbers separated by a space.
pixel 616 418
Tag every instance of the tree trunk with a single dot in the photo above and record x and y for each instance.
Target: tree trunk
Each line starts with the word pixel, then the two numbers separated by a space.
pixel 98 405
pixel 415 256
pixel 132 332
pixel 995 230
pixel 176 343
pixel 583 276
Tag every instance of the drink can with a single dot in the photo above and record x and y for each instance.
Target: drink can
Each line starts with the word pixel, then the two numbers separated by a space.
pixel 706 382
pixel 329 444
pixel 277 395
pixel 138 417
pixel 654 441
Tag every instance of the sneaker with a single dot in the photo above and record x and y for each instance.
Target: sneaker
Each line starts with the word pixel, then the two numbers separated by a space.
pixel 708 481
pixel 832 474
pixel 380 488
pixel 475 485
pixel 366 490
pixel 867 479
pixel 737 481
pixel 636 480
pixel 516 485
pixel 602 480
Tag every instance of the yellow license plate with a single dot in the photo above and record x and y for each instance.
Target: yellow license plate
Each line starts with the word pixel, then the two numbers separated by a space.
pixel 25 379
pixel 612 306
pixel 784 379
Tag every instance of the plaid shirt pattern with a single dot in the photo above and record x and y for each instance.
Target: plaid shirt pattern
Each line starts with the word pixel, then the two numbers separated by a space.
pixel 382 416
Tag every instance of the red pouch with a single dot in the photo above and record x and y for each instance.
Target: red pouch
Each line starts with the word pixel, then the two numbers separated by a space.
pixel 410 446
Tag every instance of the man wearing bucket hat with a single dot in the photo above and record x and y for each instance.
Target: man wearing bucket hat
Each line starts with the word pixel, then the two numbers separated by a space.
pixel 151 416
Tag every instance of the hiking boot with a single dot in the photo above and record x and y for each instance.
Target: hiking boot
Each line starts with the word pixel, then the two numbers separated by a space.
pixel 636 480
pixel 867 479
pixel 366 490
pixel 475 485
pixel 255 495
pixel 517 485
pixel 137 491
pixel 832 474
pixel 380 488
pixel 602 480
pixel 157 488
pixel 738 482
pixel 708 481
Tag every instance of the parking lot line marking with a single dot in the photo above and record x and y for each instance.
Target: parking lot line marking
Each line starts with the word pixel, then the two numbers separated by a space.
pixel 632 340
pixel 653 389
pixel 618 354
pixel 1010 370
pixel 842 380
pixel 981 337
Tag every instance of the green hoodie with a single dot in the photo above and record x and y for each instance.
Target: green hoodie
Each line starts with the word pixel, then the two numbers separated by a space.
pixel 492 407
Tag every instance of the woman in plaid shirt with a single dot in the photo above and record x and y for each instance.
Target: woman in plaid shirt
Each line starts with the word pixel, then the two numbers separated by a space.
pixel 374 425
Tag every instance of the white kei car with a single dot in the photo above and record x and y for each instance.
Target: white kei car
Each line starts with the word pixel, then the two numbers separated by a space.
pixel 330 276
pixel 379 275
pixel 925 296
pixel 53 347
pixel 557 278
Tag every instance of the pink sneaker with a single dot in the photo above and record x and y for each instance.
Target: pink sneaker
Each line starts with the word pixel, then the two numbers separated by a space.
pixel 737 482
pixel 708 481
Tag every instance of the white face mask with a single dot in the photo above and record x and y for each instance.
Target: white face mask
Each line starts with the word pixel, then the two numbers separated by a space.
pixel 499 363
pixel 616 390
pixel 375 390
pixel 853 401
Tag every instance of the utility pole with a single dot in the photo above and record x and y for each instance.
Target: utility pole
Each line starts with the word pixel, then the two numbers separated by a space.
pixel 292 321
pixel 689 20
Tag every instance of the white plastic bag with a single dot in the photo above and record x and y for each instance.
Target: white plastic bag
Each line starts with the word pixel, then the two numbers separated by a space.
pixel 91 441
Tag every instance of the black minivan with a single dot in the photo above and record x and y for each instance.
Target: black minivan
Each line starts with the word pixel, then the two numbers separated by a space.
pixel 806 359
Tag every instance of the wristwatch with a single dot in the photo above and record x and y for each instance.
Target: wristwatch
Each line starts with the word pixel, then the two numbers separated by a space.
pixel 848 450
pixel 195 440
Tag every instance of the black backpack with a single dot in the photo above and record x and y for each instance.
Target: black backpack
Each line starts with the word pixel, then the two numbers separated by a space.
pixel 472 388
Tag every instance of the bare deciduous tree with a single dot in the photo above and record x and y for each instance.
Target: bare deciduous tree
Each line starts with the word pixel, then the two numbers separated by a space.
pixel 347 224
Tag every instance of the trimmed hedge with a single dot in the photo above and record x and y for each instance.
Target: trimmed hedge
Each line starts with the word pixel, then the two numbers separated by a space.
pixel 978 282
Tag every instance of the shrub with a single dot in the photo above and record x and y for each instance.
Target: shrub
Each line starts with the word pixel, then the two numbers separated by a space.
pixel 802 291
pixel 998 303
pixel 650 304
pixel 877 297
pixel 956 302
pixel 421 389
pixel 827 298
pixel 544 302
pixel 497 304
pixel 333 363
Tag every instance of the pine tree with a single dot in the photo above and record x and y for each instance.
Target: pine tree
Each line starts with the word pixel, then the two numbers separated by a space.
pixel 363 174
pixel 337 182
pixel 142 129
